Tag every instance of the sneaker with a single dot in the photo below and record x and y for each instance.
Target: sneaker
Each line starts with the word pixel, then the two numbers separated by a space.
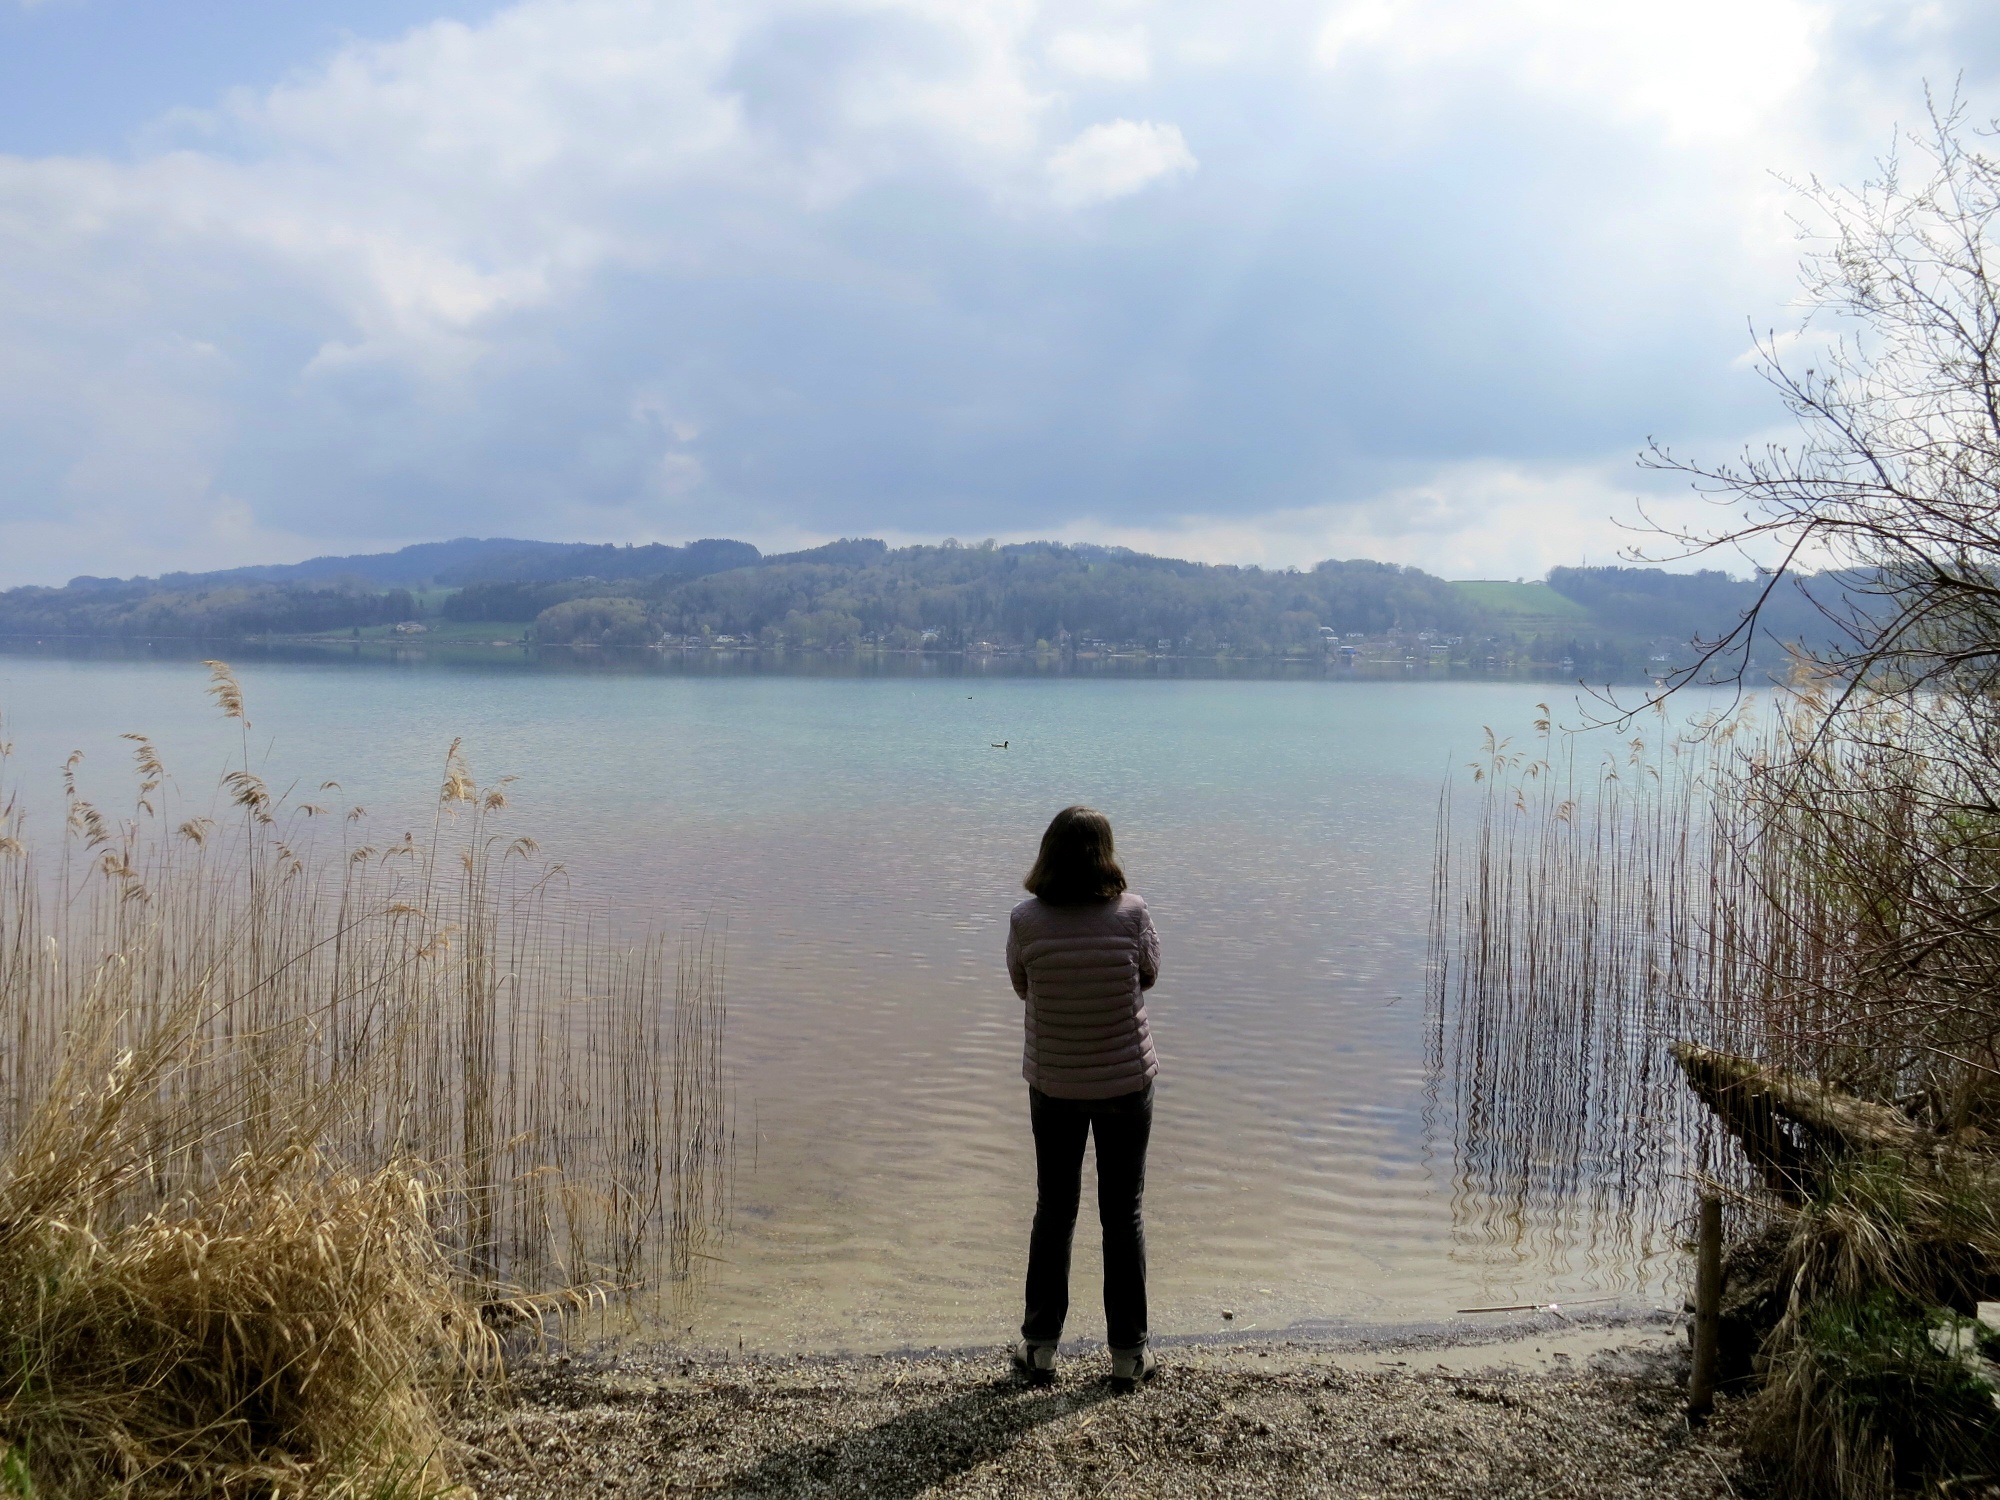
pixel 1133 1367
pixel 1033 1362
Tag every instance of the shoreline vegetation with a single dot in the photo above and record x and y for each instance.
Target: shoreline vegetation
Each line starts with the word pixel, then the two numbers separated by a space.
pixel 301 1129
pixel 1757 965
pixel 1750 960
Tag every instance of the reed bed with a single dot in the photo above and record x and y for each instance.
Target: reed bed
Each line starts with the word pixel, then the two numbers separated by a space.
pixel 1743 881
pixel 1828 905
pixel 1813 890
pixel 1569 930
pixel 296 1124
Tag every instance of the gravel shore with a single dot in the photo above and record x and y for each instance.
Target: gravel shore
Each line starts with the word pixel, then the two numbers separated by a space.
pixel 1423 1416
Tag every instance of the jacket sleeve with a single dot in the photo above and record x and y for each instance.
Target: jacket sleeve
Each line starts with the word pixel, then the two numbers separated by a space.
pixel 1149 950
pixel 1017 970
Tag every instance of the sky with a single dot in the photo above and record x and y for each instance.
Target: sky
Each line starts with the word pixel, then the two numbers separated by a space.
pixel 1265 282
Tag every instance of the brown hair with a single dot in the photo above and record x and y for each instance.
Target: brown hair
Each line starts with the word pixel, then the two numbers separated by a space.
pixel 1076 865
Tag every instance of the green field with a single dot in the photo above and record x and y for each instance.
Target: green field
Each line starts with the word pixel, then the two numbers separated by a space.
pixel 1521 603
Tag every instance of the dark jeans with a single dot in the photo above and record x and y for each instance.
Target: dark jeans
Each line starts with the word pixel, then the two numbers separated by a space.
pixel 1122 1126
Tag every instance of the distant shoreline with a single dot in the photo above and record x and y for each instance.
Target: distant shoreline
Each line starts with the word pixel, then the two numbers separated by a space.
pixel 804 661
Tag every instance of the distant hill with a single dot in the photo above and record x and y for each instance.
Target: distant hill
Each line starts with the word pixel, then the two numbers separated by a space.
pixel 468 560
pixel 1704 605
pixel 1043 592
pixel 1601 622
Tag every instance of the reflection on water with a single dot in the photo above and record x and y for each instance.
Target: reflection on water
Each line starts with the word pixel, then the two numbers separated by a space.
pixel 1569 934
pixel 273 990
pixel 860 843
pixel 445 653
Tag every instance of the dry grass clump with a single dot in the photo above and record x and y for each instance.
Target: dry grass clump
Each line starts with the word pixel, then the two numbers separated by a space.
pixel 1924 1232
pixel 1859 1399
pixel 1860 1404
pixel 292 1122
pixel 289 1330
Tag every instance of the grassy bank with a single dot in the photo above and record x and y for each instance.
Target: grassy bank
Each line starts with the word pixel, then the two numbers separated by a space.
pixel 296 1124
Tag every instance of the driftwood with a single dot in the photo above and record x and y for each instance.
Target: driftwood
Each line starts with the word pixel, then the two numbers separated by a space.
pixel 1789 1125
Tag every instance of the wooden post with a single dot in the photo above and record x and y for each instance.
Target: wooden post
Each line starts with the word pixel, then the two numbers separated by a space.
pixel 1707 1306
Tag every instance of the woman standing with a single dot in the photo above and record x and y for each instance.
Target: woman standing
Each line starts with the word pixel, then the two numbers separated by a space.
pixel 1082 952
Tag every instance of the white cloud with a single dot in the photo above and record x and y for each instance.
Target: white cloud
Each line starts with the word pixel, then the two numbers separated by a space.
pixel 1474 519
pixel 433 184
pixel 1114 56
pixel 802 267
pixel 679 474
pixel 1354 26
pixel 1705 69
pixel 1117 159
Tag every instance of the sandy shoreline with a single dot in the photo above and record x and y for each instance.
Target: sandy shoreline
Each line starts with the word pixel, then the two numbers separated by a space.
pixel 1537 1407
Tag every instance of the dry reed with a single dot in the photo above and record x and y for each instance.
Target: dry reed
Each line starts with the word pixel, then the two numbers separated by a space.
pixel 1816 892
pixel 1745 882
pixel 1567 934
pixel 293 1123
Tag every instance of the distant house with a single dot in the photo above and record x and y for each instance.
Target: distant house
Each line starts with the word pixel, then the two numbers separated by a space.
pixel 412 627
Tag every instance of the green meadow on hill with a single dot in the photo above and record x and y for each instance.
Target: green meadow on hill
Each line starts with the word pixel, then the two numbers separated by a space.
pixel 1519 602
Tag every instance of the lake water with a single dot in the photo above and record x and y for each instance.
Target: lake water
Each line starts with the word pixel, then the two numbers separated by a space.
pixel 860 839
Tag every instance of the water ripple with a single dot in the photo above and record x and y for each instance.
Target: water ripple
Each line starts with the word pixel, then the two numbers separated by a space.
pixel 860 846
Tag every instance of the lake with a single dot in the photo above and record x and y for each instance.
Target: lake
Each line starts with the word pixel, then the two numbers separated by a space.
pixel 859 840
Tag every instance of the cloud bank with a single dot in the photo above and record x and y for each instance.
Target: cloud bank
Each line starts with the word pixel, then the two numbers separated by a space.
pixel 1267 282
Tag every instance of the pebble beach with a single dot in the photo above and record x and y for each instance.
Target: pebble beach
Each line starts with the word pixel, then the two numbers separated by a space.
pixel 1549 1407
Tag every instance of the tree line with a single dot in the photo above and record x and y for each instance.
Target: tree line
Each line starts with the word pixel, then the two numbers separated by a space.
pixel 1046 594
pixel 130 611
pixel 947 597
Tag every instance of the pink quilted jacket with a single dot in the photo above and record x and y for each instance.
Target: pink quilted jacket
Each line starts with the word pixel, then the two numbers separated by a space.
pixel 1084 971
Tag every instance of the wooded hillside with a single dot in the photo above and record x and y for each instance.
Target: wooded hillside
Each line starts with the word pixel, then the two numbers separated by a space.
pixel 1600 621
